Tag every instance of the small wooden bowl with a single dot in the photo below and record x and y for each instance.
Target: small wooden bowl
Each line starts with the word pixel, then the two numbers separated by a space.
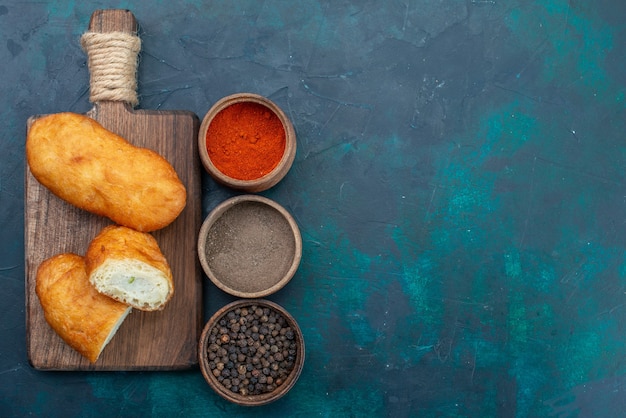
pixel 261 183
pixel 249 246
pixel 242 396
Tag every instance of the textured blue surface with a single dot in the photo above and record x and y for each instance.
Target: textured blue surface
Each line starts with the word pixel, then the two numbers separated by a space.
pixel 459 185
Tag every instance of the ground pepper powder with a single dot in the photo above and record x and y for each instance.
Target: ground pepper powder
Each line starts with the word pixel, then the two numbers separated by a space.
pixel 245 140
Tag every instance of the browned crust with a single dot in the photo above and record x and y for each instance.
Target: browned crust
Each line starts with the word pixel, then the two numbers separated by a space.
pixel 119 243
pixel 73 308
pixel 96 170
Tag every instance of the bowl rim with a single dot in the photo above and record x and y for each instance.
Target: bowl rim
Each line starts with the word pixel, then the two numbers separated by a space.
pixel 268 180
pixel 251 400
pixel 222 208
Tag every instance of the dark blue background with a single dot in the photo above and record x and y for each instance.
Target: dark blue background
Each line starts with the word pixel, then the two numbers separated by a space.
pixel 459 185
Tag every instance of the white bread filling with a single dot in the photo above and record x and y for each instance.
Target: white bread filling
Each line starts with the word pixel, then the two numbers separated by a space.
pixel 133 282
pixel 115 328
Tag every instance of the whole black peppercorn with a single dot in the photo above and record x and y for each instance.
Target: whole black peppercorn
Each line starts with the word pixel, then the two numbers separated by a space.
pixel 252 350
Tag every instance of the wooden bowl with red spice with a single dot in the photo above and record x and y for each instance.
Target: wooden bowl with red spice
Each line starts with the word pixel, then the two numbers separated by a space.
pixel 247 142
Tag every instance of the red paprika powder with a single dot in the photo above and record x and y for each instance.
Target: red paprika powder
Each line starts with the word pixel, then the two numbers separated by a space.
pixel 245 140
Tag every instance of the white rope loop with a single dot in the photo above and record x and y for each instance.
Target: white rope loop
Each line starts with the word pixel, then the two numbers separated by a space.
pixel 112 60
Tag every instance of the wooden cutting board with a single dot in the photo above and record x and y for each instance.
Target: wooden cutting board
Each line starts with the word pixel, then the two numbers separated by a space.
pixel 163 340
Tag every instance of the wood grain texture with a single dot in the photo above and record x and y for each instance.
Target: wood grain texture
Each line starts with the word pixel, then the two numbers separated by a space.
pixel 162 340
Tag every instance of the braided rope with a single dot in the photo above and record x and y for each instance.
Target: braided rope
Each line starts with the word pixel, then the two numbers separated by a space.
pixel 112 61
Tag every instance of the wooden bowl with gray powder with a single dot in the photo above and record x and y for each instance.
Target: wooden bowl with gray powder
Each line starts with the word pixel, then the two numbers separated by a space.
pixel 249 246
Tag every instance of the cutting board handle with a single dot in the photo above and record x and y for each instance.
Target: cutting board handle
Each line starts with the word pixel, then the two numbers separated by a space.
pixel 112 47
pixel 113 20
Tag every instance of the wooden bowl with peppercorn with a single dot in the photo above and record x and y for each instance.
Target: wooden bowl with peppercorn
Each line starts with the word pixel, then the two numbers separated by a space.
pixel 251 352
pixel 249 246
pixel 247 142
